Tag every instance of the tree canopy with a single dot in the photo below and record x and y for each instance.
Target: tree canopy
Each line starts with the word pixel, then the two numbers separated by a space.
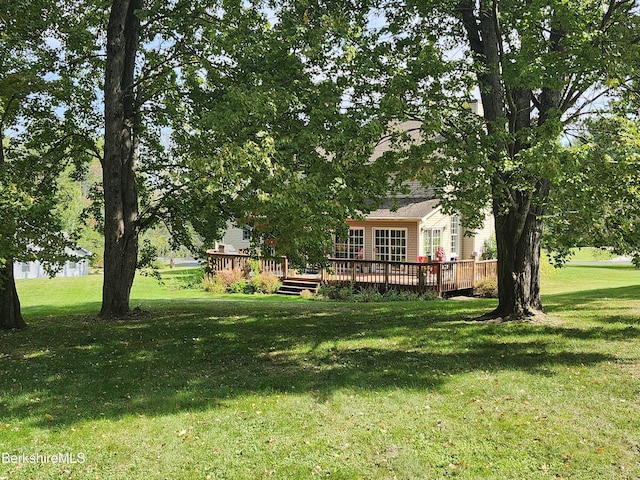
pixel 267 112
pixel 36 144
pixel 539 68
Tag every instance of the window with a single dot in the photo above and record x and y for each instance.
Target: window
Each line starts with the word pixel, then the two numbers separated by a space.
pixel 26 268
pixel 246 234
pixel 455 235
pixel 352 247
pixel 432 240
pixel 390 245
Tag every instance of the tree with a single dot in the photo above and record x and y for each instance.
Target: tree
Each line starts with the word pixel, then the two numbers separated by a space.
pixel 598 202
pixel 252 109
pixel 538 66
pixel 121 139
pixel 35 146
pixel 272 119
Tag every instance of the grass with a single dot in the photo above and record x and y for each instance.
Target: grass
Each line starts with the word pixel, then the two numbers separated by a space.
pixel 238 387
pixel 590 254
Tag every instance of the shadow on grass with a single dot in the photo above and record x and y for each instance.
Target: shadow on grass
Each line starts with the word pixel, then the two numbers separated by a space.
pixel 203 354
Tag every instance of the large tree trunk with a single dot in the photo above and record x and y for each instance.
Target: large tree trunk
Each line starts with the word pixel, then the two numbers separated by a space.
pixel 518 238
pixel 10 316
pixel 518 205
pixel 119 183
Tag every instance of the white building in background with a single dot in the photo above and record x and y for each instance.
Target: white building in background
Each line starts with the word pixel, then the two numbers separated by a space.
pixel 234 240
pixel 72 268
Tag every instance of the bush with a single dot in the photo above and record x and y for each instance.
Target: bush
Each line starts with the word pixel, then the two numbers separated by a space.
pixel 336 292
pixel 490 248
pixel 265 283
pixel 371 294
pixel 403 296
pixel 368 294
pixel 429 296
pixel 306 294
pixel 487 288
pixel 194 280
pixel 229 277
pixel 241 286
pixel 213 285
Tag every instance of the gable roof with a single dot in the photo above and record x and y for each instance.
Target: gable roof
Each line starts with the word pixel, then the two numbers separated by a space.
pixel 409 208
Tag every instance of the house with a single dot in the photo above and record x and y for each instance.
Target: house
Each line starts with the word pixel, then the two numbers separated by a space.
pixel 406 228
pixel 234 239
pixel 411 229
pixel 72 268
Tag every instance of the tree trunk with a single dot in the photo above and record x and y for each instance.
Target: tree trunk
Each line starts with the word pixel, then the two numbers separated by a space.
pixel 10 316
pixel 120 148
pixel 518 238
pixel 518 205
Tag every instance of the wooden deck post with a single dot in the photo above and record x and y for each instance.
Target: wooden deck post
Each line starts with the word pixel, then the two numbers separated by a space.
pixel 285 268
pixel 387 268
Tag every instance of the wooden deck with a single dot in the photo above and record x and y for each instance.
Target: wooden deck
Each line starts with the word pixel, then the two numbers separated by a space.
pixel 437 277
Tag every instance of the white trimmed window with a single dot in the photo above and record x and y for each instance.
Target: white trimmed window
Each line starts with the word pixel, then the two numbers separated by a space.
pixel 390 244
pixel 432 240
pixel 455 235
pixel 246 234
pixel 352 247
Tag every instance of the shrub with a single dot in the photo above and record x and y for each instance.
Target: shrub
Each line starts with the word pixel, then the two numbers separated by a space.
pixel 265 283
pixel 487 288
pixel 229 277
pixel 490 248
pixel 241 286
pixel 367 294
pixel 194 280
pixel 402 296
pixel 213 285
pixel 306 294
pixel 336 292
pixel 429 296
pixel 372 294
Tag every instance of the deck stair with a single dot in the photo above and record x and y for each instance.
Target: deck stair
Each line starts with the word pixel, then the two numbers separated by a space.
pixel 294 286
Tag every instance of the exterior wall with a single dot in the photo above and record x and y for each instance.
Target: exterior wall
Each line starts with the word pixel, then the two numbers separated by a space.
pixel 475 244
pixel 36 270
pixel 436 220
pixel 416 236
pixel 233 236
pixel 370 225
pixel 468 245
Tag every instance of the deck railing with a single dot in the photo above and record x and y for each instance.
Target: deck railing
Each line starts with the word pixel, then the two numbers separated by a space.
pixel 438 277
pixel 218 261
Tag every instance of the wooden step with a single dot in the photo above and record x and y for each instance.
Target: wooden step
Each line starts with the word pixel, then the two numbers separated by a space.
pixel 295 286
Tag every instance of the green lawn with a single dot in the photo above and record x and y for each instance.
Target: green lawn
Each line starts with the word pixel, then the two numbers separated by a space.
pixel 231 387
